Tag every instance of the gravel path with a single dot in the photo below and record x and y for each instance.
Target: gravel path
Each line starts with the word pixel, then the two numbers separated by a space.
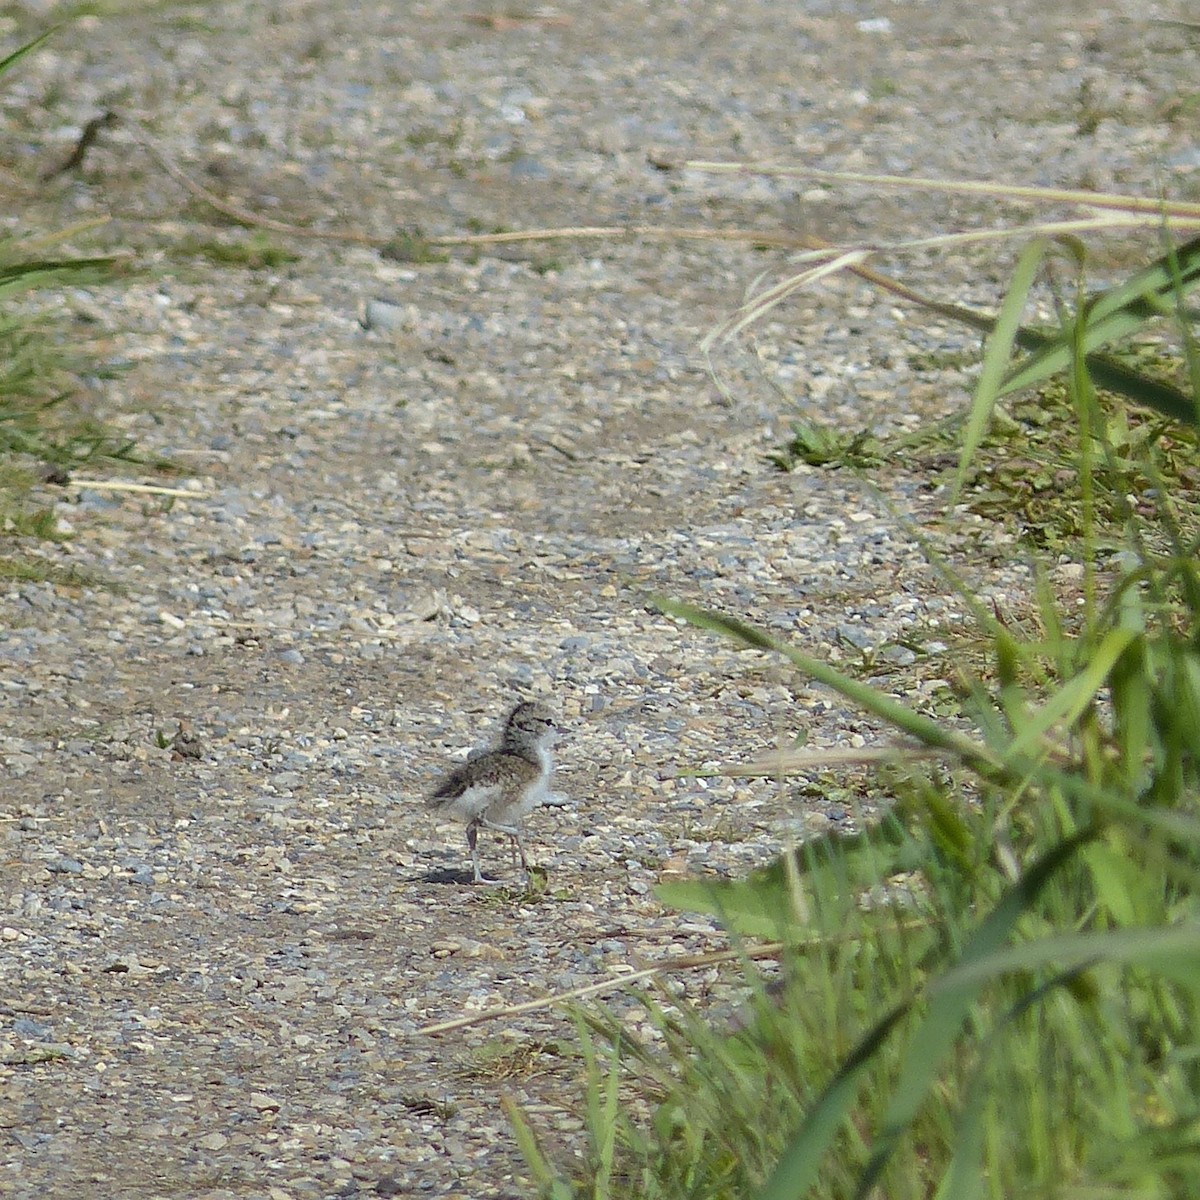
pixel 226 911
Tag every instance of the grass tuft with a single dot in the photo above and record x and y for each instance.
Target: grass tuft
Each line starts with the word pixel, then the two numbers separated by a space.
pixel 44 435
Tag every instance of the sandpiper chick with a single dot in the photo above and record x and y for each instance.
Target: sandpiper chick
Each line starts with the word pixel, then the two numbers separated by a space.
pixel 495 788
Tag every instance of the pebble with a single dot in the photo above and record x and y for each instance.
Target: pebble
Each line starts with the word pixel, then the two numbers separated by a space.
pixel 26 1028
pixel 384 314
pixel 65 866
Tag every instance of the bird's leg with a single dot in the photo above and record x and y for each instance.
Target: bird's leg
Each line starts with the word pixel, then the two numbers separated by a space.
pixel 516 837
pixel 514 832
pixel 472 839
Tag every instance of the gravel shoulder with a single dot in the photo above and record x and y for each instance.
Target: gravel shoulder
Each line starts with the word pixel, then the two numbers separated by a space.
pixel 226 911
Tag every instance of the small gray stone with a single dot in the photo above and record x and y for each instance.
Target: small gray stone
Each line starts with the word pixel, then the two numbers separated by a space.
pixel 65 866
pixel 856 636
pixel 27 1028
pixel 525 167
pixel 383 314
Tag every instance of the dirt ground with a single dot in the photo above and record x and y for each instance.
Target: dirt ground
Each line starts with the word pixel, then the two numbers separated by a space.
pixel 415 482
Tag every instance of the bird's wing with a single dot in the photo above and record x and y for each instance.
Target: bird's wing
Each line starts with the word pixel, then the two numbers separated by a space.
pixel 466 792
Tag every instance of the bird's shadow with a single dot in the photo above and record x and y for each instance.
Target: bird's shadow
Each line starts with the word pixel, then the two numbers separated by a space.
pixel 459 876
pixel 446 875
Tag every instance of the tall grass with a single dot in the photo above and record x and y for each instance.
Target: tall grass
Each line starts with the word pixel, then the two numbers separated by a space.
pixel 993 991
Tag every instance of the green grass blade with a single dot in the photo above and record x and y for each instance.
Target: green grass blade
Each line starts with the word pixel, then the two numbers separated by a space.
pixel 1114 314
pixel 1151 291
pixel 801 1161
pixel 836 865
pixel 548 1181
pixel 965 1177
pixel 898 715
pixel 28 48
pixel 1184 323
pixel 25 277
pixel 608 1115
pixel 1106 372
pixel 950 1000
pixel 1171 950
pixel 1066 705
pixel 1163 397
pixel 996 357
